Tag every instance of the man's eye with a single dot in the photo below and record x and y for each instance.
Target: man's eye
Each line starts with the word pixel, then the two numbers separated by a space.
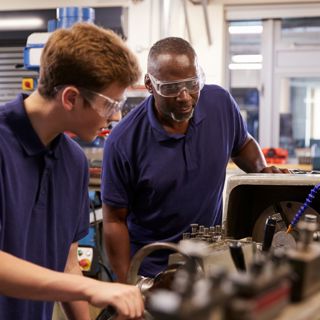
pixel 193 84
pixel 169 88
pixel 175 87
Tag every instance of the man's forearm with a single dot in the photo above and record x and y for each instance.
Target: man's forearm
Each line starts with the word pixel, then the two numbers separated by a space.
pixel 22 279
pixel 75 310
pixel 250 158
pixel 117 244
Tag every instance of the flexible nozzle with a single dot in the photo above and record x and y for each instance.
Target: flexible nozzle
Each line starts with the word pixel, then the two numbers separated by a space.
pixel 303 208
pixel 289 228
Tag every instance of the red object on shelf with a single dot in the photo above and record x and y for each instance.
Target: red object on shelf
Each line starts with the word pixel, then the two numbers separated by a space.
pixel 95 172
pixel 275 155
pixel 104 133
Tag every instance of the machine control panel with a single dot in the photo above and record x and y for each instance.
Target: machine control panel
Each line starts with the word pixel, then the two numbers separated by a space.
pixel 85 258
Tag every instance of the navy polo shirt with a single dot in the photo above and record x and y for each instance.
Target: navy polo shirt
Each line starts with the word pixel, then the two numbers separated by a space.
pixel 168 181
pixel 44 205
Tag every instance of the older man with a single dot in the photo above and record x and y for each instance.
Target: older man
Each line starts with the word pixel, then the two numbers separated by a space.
pixel 165 163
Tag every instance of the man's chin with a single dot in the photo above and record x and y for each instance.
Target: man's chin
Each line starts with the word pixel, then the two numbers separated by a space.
pixel 180 117
pixel 88 139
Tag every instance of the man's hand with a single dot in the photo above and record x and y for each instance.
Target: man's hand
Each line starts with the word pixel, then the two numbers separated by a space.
pixel 274 169
pixel 126 299
pixel 250 159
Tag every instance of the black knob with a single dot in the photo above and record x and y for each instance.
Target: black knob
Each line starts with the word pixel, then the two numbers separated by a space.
pixel 269 230
pixel 237 255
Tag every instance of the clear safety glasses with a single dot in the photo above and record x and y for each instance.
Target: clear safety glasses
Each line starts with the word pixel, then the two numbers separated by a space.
pixel 108 108
pixel 173 88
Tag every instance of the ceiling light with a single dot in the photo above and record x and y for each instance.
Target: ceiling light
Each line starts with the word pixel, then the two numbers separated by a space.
pixel 21 23
pixel 245 29
pixel 245 66
pixel 247 58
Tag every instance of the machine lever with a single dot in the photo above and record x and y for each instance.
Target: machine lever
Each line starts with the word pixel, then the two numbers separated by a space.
pixel 269 230
pixel 237 255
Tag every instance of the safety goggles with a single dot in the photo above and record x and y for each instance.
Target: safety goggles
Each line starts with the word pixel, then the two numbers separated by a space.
pixel 174 88
pixel 108 108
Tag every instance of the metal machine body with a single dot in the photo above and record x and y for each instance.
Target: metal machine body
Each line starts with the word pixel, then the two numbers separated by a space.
pixel 251 198
pixel 248 278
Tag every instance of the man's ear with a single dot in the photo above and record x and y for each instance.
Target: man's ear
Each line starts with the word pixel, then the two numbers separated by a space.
pixel 147 83
pixel 70 96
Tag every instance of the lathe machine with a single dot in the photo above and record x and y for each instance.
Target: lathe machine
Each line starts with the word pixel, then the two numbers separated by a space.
pixel 262 263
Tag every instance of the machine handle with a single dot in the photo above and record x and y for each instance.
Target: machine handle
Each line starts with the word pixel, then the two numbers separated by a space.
pixel 237 255
pixel 144 252
pixel 269 230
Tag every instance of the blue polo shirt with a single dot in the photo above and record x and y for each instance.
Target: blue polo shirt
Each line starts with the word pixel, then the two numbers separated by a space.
pixel 168 181
pixel 43 201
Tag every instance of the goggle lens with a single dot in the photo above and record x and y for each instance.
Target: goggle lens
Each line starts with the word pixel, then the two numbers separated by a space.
pixel 109 106
pixel 173 89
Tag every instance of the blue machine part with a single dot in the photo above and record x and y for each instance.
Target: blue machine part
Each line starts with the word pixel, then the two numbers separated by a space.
pixel 52 25
pixel 95 198
pixel 32 52
pixel 66 17
pixel 89 239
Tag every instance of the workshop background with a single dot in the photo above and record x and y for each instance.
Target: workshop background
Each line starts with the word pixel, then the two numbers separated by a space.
pixel 266 52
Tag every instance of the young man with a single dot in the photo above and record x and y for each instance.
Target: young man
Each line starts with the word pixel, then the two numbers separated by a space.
pixel 44 207
pixel 165 163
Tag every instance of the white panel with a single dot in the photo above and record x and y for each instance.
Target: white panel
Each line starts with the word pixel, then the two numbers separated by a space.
pixel 38 38
pixel 272 11
pixel 35 56
pixel 47 4
pixel 308 59
pixel 245 78
pixel 316 114
pixel 266 116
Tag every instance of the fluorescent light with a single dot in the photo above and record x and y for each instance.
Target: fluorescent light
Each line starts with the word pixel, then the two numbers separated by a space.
pixel 245 66
pixel 247 58
pixel 21 23
pixel 245 29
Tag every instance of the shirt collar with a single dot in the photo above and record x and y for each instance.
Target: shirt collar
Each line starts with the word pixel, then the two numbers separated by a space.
pixel 160 133
pixel 20 124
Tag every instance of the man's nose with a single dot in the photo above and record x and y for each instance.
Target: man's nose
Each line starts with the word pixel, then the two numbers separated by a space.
pixel 184 94
pixel 116 116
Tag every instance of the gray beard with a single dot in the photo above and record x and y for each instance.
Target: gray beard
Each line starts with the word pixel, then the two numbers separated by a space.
pixel 183 118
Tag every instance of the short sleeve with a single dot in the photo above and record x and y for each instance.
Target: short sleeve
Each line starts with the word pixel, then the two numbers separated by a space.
pixel 84 214
pixel 240 126
pixel 116 177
